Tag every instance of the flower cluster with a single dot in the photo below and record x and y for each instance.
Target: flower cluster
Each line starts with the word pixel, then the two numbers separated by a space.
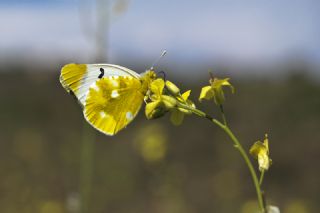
pixel 165 96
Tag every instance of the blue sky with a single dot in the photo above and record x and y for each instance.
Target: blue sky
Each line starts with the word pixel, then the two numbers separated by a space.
pixel 239 32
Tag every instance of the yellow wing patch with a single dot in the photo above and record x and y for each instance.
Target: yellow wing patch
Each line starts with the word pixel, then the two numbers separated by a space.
pixel 71 76
pixel 113 102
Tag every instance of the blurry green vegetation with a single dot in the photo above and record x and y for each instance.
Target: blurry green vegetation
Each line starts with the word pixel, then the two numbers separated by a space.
pixel 153 166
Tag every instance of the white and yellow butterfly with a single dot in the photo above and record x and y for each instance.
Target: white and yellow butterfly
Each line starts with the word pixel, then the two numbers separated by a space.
pixel 110 95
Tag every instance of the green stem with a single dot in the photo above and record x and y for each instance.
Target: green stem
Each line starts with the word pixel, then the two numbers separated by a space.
pixel 261 177
pixel 193 110
pixel 246 159
pixel 223 115
pixel 238 145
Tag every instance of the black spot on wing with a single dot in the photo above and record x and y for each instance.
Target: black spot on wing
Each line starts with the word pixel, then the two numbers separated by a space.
pixel 102 73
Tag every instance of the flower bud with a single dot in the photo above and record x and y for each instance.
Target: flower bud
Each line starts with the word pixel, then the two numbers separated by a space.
pixel 172 88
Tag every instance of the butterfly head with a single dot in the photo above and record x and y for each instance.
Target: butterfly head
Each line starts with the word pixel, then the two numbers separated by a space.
pixel 146 79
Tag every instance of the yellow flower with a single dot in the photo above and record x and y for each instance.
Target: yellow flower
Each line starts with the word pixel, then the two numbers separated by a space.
pixel 164 97
pixel 155 110
pixel 260 151
pixel 159 103
pixel 177 114
pixel 215 90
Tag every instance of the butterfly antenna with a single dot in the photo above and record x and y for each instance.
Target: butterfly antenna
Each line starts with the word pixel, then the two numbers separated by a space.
pixel 163 74
pixel 164 52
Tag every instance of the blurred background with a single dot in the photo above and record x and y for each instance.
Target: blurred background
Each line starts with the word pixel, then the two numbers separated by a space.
pixel 52 161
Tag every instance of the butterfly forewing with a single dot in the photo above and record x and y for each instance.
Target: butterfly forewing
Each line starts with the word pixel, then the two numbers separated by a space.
pixel 113 102
pixel 78 78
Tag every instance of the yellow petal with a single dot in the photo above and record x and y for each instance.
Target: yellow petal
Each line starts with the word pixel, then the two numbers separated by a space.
pixel 218 95
pixel 151 110
pixel 261 152
pixel 263 160
pixel 206 93
pixel 256 148
pixel 157 86
pixel 176 117
pixel 186 95
pixel 218 83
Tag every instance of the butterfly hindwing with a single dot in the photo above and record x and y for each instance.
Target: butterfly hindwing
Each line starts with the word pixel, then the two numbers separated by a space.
pixel 113 102
pixel 78 78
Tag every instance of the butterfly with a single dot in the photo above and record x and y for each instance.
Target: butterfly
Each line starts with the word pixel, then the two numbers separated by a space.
pixel 110 95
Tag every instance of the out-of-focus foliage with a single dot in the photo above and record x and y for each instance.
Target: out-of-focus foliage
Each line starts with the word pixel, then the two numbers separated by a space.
pixel 151 143
pixel 153 166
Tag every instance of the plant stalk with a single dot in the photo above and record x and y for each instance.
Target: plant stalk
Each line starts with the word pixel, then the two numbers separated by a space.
pixel 238 145
pixel 247 161
pixel 261 177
